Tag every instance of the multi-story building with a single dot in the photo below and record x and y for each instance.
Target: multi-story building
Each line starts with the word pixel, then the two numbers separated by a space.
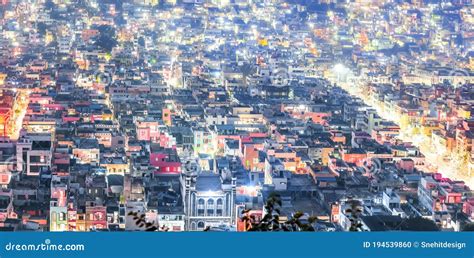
pixel 34 153
pixel 209 200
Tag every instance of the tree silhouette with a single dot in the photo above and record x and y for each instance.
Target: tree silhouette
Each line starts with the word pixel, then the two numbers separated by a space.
pixel 468 227
pixel 271 221
pixel 247 69
pixel 354 213
pixel 140 221
pixel 107 38
pixel 418 224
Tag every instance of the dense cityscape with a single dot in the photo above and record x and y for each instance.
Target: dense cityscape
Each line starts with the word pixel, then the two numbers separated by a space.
pixel 236 115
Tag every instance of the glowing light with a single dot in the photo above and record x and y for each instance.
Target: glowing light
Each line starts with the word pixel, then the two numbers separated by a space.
pixel 339 68
pixel 211 193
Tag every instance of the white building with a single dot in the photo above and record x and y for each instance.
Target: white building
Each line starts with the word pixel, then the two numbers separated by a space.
pixel 209 200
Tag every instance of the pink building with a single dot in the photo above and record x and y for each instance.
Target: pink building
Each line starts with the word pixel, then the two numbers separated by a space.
pixel 148 131
pixel 468 207
pixel 407 165
pixel 96 217
pixel 165 160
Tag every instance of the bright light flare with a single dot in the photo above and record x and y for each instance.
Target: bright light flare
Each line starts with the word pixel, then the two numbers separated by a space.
pixel 339 68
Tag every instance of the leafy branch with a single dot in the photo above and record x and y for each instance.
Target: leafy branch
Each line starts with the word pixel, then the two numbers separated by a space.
pixel 272 222
pixel 140 221
pixel 354 213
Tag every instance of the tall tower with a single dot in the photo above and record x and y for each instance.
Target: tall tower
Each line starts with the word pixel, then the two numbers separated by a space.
pixel 188 183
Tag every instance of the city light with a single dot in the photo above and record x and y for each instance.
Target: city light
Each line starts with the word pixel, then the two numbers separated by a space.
pixel 340 69
pixel 191 115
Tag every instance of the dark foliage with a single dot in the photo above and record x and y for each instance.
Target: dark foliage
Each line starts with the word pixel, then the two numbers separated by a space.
pixel 141 41
pixel 107 38
pixel 271 220
pixel 141 222
pixel 41 27
pixel 354 213
pixel 49 5
pixel 418 224
pixel 468 227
